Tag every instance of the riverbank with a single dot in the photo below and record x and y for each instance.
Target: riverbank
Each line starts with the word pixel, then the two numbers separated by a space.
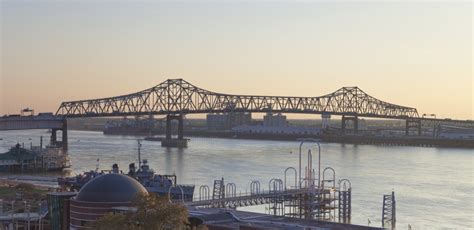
pixel 348 139
pixel 419 141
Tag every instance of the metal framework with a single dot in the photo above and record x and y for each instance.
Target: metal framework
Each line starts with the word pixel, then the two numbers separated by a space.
pixel 328 202
pixel 389 210
pixel 323 200
pixel 177 96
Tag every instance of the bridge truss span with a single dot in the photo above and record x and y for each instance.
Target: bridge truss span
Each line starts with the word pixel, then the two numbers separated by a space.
pixel 177 96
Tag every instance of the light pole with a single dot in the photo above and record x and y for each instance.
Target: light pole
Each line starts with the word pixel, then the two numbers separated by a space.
pixel 139 155
pixel 13 214
pixel 40 216
pixel 29 217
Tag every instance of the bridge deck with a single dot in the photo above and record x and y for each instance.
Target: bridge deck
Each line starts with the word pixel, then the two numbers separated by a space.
pixel 31 122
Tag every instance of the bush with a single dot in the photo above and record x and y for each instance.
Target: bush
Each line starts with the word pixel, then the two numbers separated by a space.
pixel 25 187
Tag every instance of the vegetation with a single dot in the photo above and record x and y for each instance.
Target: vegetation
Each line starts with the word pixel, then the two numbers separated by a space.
pixel 151 212
pixel 21 191
pixel 18 193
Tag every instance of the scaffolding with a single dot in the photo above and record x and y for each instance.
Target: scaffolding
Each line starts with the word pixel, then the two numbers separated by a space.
pixel 344 203
pixel 219 191
pixel 276 206
pixel 389 211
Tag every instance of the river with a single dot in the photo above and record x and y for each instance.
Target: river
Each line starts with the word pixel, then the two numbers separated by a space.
pixel 434 187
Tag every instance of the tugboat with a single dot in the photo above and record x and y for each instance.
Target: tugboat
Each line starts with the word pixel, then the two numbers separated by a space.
pixel 162 185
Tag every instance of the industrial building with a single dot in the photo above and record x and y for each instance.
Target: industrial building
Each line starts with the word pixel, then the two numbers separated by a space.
pixel 276 124
pixel 278 120
pixel 289 130
pixel 456 134
pixel 226 121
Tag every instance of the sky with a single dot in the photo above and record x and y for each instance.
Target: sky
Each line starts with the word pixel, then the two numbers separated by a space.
pixel 416 54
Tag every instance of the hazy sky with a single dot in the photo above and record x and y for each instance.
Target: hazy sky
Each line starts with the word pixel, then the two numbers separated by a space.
pixel 414 54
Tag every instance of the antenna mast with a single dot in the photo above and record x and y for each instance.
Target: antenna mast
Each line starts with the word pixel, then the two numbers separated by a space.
pixel 139 155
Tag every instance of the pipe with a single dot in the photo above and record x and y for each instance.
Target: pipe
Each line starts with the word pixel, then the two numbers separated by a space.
pixel 301 145
pixel 294 170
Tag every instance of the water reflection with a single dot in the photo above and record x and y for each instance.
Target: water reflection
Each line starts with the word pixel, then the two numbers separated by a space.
pixel 174 160
pixel 421 177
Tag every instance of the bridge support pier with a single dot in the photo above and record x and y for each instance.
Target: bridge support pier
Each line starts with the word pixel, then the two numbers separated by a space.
pixel 169 141
pixel 54 138
pixel 355 123
pixel 413 123
pixel 326 120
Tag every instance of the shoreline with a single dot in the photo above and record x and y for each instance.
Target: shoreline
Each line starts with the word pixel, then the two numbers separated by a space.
pixel 418 141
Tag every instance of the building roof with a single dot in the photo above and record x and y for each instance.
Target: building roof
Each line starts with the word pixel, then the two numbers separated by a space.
pixel 18 153
pixel 237 219
pixel 110 188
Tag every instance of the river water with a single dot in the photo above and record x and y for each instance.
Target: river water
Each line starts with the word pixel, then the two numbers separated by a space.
pixel 434 187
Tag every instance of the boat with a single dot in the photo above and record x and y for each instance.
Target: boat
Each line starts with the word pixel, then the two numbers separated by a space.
pixel 75 183
pixel 162 185
pixel 51 158
pixel 153 138
pixel 157 138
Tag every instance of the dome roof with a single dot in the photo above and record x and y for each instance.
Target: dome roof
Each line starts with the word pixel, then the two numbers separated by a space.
pixel 110 188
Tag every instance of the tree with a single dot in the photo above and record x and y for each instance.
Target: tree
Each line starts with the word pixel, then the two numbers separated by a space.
pixel 152 212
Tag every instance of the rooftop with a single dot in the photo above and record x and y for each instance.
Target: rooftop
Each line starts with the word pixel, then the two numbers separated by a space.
pixel 234 219
pixel 110 188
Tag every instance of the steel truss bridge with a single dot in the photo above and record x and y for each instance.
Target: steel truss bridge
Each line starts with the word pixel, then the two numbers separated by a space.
pixel 177 96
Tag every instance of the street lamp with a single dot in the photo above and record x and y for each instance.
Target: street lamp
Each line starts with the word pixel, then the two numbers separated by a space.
pixel 40 216
pixel 28 217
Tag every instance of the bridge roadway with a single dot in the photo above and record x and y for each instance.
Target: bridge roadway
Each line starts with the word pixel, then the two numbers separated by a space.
pixel 42 121
pixel 253 199
pixel 31 122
